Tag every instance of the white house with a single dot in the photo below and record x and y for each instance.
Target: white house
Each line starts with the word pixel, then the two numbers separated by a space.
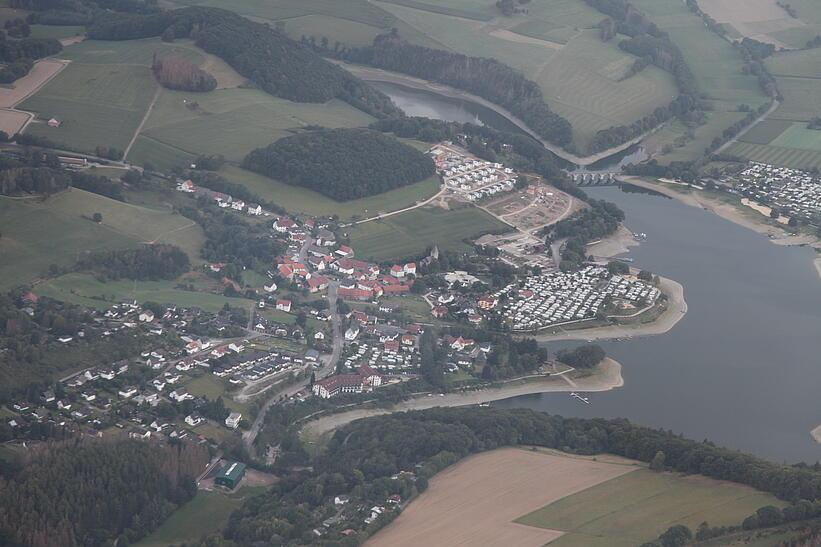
pixel 233 419
pixel 193 419
pixel 146 316
pixel 284 305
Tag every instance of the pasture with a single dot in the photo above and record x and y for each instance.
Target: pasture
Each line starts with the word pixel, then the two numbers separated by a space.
pixel 85 290
pixel 37 233
pixel 557 46
pixel 208 512
pixel 232 122
pixel 766 131
pixel 786 157
pixel 303 200
pixel 411 234
pixel 636 507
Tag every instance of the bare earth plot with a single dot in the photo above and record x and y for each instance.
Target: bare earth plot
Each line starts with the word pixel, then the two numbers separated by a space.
pixel 476 501
pixel 12 121
pixel 757 19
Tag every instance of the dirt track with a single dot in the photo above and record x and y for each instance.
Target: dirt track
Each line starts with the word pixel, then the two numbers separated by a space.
pixel 476 501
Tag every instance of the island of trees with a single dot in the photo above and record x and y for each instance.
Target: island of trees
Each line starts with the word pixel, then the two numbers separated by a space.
pixel 176 72
pixel 342 163
pixel 274 62
pixel 149 262
pixel 18 55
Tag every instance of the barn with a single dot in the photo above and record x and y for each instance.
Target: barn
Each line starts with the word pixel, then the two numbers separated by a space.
pixel 230 475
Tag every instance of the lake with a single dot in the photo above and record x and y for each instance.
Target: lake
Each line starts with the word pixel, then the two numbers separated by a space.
pixel 743 367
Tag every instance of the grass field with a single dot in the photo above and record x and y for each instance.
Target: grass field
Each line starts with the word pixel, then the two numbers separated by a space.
pixel 85 290
pixel 232 122
pixel 56 32
pixel 38 234
pixel 208 512
pixel 783 139
pixel 557 46
pixel 717 67
pixel 634 508
pixel 410 234
pixel 296 199
pixel 213 387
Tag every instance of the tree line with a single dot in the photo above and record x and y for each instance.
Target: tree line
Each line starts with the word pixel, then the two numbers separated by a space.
pixel 363 456
pixel 41 173
pixel 343 164
pixel 18 55
pixel 93 493
pixel 274 62
pixel 487 78
pixel 147 262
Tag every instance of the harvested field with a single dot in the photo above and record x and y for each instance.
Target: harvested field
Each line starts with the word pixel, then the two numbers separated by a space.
pixel 12 121
pixel 41 73
pixel 475 501
pixel 757 19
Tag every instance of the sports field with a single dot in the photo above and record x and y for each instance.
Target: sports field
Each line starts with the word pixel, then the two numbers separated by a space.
pixel 410 234
pixel 635 508
pixel 303 200
pixel 232 122
pixel 515 496
pixel 38 234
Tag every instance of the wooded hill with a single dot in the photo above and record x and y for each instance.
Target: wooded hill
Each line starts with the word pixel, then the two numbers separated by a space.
pixel 270 59
pixel 343 164
pixel 149 262
pixel 92 493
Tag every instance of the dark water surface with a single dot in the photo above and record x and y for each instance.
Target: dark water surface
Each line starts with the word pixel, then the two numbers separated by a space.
pixel 743 367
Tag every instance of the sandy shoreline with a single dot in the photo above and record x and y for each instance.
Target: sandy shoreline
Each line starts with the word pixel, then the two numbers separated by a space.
pixel 606 376
pixel 676 310
pixel 696 198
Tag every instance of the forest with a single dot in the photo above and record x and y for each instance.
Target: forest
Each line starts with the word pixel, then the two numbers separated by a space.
pixel 599 220
pixel 92 493
pixel 487 78
pixel 343 164
pixel 277 64
pixel 362 457
pixel 587 356
pixel 148 262
pixel 178 73
pixel 17 55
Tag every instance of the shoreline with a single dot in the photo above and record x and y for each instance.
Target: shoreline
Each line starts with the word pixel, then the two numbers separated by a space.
pixel 371 74
pixel 676 310
pixel 606 376
pixel 696 198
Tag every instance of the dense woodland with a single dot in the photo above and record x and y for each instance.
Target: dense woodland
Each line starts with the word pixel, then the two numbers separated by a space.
pixel 362 457
pixel 148 262
pixel 582 357
pixel 179 73
pixel 600 220
pixel 91 493
pixel 487 78
pixel 270 59
pixel 18 55
pixel 342 163
pixel 37 173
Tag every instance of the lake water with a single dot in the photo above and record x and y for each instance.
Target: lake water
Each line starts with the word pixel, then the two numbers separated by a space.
pixel 743 367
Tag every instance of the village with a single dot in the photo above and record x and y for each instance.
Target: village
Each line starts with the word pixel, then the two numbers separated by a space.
pixel 790 192
pixel 468 177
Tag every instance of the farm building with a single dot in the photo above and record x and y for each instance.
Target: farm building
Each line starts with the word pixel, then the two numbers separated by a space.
pixel 230 475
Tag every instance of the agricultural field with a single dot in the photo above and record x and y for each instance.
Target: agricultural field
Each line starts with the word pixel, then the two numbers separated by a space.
pixel 208 512
pixel 37 234
pixel 56 32
pixel 304 200
pixel 557 46
pixel 762 20
pixel 784 139
pixel 515 496
pixel 717 67
pixel 412 233
pixel 85 290
pixel 231 122
pixel 634 508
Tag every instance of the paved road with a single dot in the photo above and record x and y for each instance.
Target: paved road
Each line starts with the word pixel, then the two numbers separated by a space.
pixel 744 131
pixel 328 366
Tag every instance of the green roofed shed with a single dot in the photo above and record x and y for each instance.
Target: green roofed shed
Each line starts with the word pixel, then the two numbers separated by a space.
pixel 230 475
